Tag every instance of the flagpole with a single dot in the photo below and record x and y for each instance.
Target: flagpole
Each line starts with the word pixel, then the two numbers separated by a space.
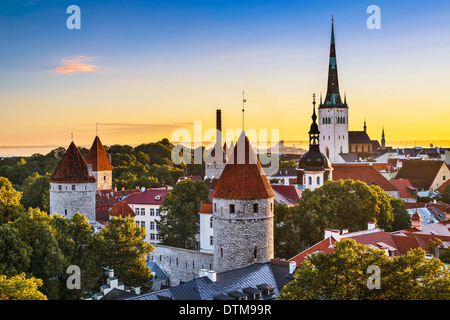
pixel 243 101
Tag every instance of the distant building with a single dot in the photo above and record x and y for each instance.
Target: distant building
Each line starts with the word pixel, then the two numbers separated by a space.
pixel 146 205
pixel 73 186
pixel 366 173
pixel 425 175
pixel 215 162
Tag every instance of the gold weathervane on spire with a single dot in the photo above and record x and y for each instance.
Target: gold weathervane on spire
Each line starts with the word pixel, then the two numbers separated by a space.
pixel 243 101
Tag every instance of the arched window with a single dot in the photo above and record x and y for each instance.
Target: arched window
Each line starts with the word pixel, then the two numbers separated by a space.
pixel 255 252
pixel 310 181
pixel 318 180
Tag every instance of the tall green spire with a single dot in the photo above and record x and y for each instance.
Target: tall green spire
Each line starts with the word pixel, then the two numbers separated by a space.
pixel 333 97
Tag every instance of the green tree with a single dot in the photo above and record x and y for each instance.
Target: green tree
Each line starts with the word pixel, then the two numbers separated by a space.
pixel 10 206
pixel 179 223
pixel 287 240
pixel 446 194
pixel 19 287
pixel 47 260
pixel 121 246
pixel 75 240
pixel 343 204
pixel 343 275
pixel 14 252
pixel 36 192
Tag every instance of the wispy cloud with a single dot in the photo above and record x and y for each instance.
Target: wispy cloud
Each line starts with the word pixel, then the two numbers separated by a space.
pixel 76 64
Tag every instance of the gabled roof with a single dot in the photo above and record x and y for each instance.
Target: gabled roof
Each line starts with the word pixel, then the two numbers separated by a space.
pixel 421 173
pixel 97 157
pixel 243 176
pixel 72 168
pixel 122 209
pixel 287 194
pixel 405 188
pixel 150 196
pixel 358 137
pixel 363 172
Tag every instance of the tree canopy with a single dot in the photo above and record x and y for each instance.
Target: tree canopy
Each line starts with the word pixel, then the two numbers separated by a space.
pixel 179 222
pixel 357 272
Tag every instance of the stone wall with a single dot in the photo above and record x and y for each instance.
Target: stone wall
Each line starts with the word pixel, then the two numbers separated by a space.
pixel 68 198
pixel 104 179
pixel 181 264
pixel 243 237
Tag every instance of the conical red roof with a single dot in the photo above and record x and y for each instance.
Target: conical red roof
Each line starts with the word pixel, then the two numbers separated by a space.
pixel 243 177
pixel 97 157
pixel 122 209
pixel 72 168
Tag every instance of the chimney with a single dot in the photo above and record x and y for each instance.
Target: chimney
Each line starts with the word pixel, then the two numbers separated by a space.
pixel 202 273
pixel 212 275
pixel 332 232
pixel 136 289
pixel 219 125
pixel 371 225
pixel 292 266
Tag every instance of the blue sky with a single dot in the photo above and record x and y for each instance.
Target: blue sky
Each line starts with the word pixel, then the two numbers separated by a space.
pixel 160 65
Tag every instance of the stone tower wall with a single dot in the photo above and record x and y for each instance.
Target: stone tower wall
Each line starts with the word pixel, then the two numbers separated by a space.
pixel 68 198
pixel 104 179
pixel 243 237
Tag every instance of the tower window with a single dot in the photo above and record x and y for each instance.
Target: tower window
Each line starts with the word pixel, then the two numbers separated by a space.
pixel 215 207
pixel 73 187
pixel 221 252
pixel 231 208
pixel 318 180
pixel 255 208
pixel 255 252
pixel 59 187
pixel 310 180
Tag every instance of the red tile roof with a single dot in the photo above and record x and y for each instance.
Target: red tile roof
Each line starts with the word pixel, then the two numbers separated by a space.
pixel 122 209
pixel 150 196
pixel 363 172
pixel 243 176
pixel 206 208
pixel 405 188
pixel 72 168
pixel 98 158
pixel 441 189
pixel 288 194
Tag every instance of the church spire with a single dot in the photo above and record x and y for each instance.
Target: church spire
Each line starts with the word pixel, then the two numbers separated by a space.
pixel 333 97
pixel 314 132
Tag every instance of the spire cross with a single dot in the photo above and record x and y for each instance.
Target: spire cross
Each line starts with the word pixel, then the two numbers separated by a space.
pixel 71 135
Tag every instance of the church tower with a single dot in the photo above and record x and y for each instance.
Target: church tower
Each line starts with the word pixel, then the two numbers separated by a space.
pixel 314 167
pixel 100 164
pixel 333 113
pixel 73 186
pixel 242 211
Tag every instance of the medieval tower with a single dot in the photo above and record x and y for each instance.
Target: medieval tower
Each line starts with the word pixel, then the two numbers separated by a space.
pixel 314 167
pixel 333 113
pixel 73 186
pixel 242 211
pixel 100 164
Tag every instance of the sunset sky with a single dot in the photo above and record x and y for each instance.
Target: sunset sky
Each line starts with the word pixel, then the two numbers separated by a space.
pixel 142 69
